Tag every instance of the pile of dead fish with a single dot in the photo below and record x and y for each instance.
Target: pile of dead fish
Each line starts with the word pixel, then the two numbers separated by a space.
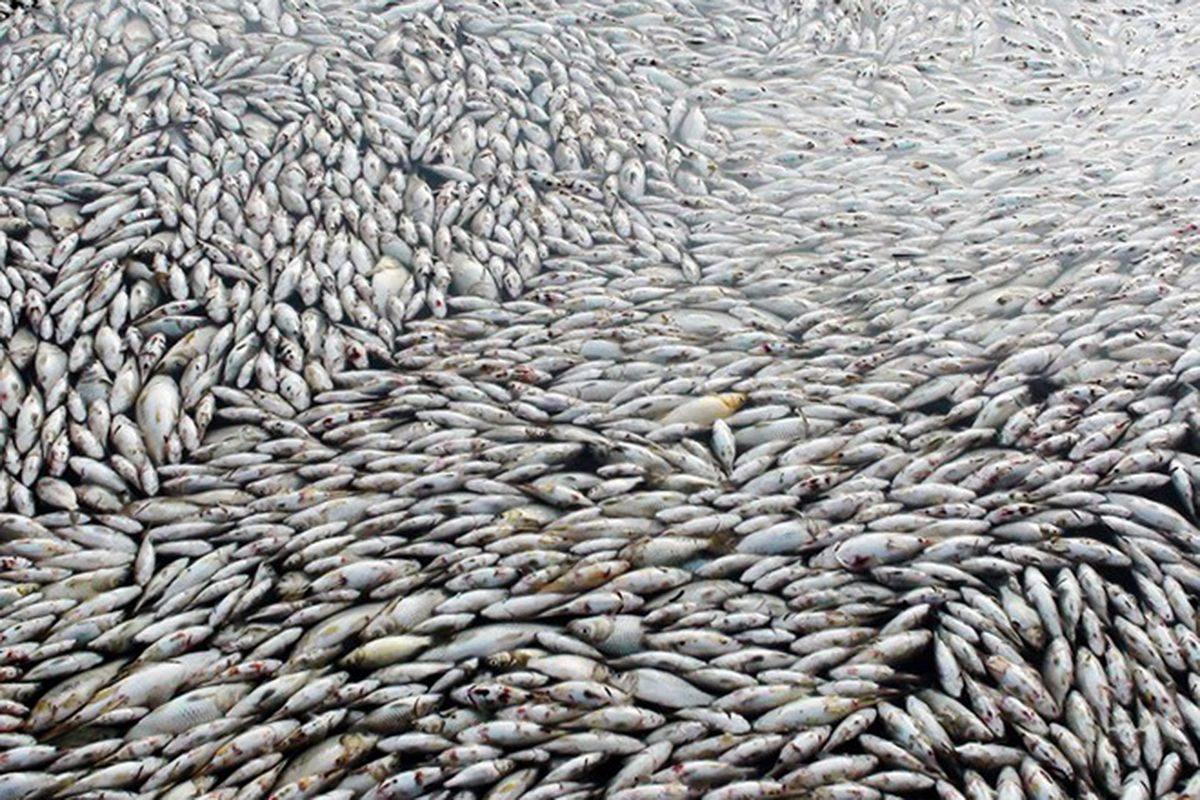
pixel 553 399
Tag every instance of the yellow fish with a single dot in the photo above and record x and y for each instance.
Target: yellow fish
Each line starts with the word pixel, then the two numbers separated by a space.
pixel 706 410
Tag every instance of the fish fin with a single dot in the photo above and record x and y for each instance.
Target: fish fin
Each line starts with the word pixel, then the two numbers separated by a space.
pixel 722 542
